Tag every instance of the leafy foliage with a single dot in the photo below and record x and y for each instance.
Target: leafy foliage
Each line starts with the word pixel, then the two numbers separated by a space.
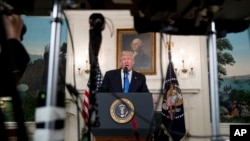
pixel 223 56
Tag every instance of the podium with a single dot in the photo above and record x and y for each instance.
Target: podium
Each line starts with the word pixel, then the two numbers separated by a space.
pixel 124 117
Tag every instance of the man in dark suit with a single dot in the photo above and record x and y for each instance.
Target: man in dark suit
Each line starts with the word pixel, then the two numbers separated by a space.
pixel 13 61
pixel 114 79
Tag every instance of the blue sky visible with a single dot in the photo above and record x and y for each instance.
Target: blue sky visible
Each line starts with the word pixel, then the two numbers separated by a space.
pixel 241 53
pixel 38 33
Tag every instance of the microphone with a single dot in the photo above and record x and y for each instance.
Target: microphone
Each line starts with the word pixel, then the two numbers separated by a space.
pixel 125 69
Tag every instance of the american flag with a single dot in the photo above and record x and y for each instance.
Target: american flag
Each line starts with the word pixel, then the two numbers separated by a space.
pixel 98 77
pixel 86 111
pixel 85 105
pixel 172 106
pixel 86 100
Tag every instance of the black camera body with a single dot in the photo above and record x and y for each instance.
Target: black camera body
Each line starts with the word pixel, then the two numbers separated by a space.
pixel 17 6
pixel 8 9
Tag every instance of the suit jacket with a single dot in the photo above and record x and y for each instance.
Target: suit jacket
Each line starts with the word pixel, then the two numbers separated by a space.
pixel 13 61
pixel 112 82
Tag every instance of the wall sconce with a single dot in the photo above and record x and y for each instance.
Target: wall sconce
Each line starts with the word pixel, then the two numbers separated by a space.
pixel 184 72
pixel 87 67
pixel 79 71
pixel 86 70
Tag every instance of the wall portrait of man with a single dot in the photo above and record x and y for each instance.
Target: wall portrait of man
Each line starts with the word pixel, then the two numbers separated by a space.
pixel 143 47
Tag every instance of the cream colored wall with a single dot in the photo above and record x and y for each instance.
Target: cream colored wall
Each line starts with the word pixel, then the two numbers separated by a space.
pixel 195 90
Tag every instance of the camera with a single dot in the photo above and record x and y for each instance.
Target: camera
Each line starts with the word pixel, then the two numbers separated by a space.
pixel 8 9
pixel 5 8
pixel 16 6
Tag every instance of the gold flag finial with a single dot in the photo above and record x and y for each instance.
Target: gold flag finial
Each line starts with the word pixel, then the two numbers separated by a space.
pixel 169 44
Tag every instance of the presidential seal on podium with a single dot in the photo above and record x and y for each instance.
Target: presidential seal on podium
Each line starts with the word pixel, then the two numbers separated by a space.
pixel 122 110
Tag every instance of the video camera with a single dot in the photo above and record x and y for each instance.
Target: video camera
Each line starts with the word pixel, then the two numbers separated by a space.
pixel 9 7
pixel 16 6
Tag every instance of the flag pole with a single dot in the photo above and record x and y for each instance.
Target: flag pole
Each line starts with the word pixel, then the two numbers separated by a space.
pixel 169 45
pixel 172 106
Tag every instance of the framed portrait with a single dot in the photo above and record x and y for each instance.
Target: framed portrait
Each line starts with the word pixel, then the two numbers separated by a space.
pixel 143 46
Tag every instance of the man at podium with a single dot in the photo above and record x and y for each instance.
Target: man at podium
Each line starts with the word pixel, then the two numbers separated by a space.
pixel 125 105
pixel 124 79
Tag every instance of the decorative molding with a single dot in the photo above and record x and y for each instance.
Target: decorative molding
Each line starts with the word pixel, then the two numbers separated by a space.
pixel 226 125
pixel 158 91
pixel 184 91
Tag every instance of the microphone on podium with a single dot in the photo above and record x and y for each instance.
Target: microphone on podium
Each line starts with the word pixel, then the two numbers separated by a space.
pixel 125 70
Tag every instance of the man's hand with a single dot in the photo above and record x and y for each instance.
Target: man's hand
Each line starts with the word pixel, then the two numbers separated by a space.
pixel 13 25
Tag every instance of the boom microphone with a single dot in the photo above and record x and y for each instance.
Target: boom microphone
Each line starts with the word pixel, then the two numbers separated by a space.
pixel 125 70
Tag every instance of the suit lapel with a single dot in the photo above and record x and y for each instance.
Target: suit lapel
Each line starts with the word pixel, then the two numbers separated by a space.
pixel 118 80
pixel 133 82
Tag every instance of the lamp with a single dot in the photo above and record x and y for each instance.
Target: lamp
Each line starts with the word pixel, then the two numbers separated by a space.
pixel 185 72
pixel 86 69
pixel 186 69
pixel 79 71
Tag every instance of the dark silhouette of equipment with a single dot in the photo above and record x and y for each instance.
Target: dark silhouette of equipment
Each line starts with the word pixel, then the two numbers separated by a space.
pixel 96 22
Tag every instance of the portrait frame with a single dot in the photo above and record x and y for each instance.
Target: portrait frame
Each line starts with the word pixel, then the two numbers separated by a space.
pixel 124 39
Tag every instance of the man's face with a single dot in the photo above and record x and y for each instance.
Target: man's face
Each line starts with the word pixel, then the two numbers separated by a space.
pixel 127 60
pixel 135 45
